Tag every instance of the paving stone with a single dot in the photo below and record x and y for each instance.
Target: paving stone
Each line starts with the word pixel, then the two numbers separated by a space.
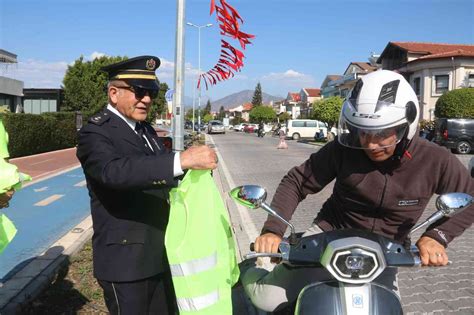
pixel 251 160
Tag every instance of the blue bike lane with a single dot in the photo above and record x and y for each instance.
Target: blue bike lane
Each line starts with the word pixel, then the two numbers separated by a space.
pixel 42 213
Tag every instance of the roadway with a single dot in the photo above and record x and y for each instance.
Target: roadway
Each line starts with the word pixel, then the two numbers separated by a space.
pixel 247 159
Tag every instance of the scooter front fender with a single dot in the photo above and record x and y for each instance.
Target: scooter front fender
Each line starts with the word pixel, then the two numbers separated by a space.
pixel 336 298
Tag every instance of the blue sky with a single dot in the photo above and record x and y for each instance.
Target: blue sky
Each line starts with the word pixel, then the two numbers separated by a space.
pixel 298 42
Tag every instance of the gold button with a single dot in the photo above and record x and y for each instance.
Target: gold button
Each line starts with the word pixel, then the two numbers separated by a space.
pixel 155 182
pixel 124 241
pixel 163 182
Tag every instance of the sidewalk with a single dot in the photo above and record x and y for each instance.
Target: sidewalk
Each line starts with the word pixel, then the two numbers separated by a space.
pixel 30 277
pixel 37 274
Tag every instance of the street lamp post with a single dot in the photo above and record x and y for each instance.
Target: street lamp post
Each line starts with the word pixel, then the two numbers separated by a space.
pixel 199 69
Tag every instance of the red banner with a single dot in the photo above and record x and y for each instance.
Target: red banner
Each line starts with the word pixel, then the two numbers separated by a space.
pixel 231 59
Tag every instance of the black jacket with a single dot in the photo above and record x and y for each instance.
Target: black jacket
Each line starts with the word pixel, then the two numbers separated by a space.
pixel 128 186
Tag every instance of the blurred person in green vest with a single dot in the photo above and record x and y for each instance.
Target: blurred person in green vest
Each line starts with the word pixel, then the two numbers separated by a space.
pixel 6 196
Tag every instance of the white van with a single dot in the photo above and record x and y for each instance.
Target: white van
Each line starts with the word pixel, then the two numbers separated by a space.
pixel 305 128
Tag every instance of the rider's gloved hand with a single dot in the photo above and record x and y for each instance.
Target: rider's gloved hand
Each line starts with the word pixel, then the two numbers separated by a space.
pixel 267 243
pixel 432 253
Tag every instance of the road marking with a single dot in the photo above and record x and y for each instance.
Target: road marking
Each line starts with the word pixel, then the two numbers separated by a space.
pixel 48 200
pixel 42 162
pixel 247 223
pixel 81 184
pixel 41 189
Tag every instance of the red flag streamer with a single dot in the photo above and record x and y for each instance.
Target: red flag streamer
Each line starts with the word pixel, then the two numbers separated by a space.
pixel 231 59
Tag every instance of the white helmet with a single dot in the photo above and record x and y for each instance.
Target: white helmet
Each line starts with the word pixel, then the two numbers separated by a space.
pixel 380 102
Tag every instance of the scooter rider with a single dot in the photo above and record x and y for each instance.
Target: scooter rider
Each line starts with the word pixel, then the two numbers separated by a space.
pixel 260 131
pixel 385 177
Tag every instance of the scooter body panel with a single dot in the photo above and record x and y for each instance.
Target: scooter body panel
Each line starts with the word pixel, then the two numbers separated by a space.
pixel 336 298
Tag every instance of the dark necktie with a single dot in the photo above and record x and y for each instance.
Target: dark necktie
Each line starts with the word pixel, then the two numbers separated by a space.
pixel 142 134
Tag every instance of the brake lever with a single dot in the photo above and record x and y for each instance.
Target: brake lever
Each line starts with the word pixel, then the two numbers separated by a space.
pixel 256 255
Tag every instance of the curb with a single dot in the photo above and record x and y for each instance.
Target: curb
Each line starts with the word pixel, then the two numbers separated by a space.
pixel 32 279
pixel 241 304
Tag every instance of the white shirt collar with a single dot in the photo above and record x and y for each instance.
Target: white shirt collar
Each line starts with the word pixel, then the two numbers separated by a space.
pixel 130 122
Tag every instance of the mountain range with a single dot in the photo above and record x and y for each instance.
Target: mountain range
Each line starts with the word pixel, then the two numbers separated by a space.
pixel 233 100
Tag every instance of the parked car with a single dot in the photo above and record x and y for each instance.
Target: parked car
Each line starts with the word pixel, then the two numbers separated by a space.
pixel 188 124
pixel 196 127
pixel 215 126
pixel 166 135
pixel 251 128
pixel 240 127
pixel 456 134
pixel 305 128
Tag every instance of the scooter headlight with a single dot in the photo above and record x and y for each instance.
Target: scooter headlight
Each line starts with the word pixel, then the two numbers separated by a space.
pixel 355 263
pixel 353 259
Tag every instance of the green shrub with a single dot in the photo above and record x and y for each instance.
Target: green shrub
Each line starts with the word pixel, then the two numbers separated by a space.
pixel 31 134
pixel 456 104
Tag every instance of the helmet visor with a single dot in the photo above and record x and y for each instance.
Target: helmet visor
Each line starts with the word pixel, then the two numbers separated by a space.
pixel 363 138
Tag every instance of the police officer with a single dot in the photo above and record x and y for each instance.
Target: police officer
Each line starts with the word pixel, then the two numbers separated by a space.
pixel 129 174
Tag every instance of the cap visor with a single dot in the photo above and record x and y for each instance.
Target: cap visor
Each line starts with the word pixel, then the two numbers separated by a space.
pixel 144 84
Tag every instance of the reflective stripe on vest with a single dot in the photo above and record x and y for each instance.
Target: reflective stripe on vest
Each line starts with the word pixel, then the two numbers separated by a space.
pixel 194 266
pixel 197 303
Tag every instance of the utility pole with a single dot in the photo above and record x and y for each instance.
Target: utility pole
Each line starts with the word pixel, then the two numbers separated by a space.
pixel 177 122
pixel 199 70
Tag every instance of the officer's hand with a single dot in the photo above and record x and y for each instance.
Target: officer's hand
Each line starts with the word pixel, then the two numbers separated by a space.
pixel 198 158
pixel 267 243
pixel 5 198
pixel 432 253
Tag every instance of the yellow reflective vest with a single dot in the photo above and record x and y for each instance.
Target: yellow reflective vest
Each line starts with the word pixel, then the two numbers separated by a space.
pixel 200 247
pixel 10 178
pixel 3 142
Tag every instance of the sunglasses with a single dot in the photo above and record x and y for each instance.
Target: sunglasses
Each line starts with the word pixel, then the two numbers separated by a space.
pixel 140 92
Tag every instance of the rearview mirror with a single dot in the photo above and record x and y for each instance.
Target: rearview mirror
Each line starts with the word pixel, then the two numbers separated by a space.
pixel 250 196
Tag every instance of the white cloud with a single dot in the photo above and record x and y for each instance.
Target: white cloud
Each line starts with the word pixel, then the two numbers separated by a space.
pixel 287 75
pixel 95 55
pixel 280 83
pixel 38 73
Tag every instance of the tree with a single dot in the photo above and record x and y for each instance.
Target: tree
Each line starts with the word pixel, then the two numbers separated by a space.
pixel 207 118
pixel 221 114
pixel 257 96
pixel 207 109
pixel 85 84
pixel 85 87
pixel 262 113
pixel 159 104
pixel 189 114
pixel 456 104
pixel 284 117
pixel 327 110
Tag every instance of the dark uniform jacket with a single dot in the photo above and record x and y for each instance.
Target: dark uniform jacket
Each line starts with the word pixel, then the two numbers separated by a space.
pixel 387 198
pixel 128 186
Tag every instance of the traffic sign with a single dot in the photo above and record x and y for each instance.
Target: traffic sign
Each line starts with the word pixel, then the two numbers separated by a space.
pixel 169 95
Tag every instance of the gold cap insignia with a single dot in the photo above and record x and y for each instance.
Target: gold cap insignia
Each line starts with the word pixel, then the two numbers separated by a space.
pixel 150 64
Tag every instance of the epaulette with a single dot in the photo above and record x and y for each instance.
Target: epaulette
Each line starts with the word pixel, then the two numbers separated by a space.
pixel 99 118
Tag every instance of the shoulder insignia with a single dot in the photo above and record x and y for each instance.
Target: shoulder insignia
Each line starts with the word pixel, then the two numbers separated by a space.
pixel 99 119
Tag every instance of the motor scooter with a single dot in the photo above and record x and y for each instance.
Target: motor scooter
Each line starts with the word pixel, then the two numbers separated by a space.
pixel 260 132
pixel 354 258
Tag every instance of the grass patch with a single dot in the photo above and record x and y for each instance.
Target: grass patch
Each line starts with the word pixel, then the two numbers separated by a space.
pixel 73 291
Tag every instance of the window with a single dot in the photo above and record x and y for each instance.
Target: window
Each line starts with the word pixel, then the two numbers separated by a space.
pixel 470 80
pixel 298 124
pixel 311 124
pixel 441 83
pixel 417 86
